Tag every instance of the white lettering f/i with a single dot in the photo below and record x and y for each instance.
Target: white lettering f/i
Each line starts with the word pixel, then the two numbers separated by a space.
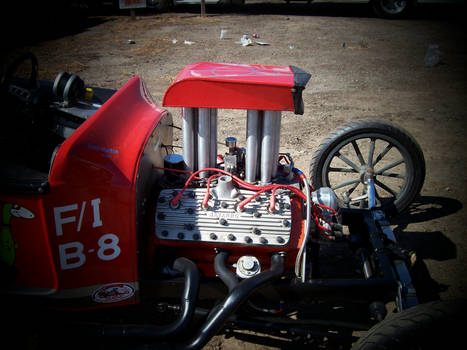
pixel 59 220
pixel 95 210
pixel 62 218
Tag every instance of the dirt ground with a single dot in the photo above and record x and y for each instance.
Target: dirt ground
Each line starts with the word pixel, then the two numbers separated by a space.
pixel 362 68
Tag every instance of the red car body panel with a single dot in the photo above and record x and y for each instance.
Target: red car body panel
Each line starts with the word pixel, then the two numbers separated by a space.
pixel 84 231
pixel 34 260
pixel 232 86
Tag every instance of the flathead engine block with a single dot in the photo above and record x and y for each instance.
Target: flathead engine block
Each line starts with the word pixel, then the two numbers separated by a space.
pixel 222 221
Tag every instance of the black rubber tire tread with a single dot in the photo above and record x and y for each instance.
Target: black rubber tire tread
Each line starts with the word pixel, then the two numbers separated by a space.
pixel 363 127
pixel 434 325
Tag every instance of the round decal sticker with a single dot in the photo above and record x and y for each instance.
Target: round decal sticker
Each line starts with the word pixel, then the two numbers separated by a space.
pixel 113 293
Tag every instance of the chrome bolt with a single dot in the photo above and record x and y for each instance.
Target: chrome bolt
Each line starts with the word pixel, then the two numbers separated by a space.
pixel 248 264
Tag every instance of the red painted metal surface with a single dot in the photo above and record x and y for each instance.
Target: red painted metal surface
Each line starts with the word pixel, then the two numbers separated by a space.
pixel 232 86
pixel 30 257
pixel 84 231
pixel 93 189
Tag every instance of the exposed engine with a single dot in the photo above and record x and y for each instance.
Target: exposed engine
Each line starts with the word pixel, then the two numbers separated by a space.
pixel 250 201
pixel 221 219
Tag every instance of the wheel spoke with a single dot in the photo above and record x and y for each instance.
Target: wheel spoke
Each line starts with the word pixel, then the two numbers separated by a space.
pixel 359 154
pixel 371 152
pixel 351 189
pixel 399 176
pixel 347 161
pixel 345 183
pixel 342 170
pixel 389 166
pixel 386 188
pixel 346 194
pixel 382 154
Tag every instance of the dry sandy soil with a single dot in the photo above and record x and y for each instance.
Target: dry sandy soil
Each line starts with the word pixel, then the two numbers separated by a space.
pixel 378 74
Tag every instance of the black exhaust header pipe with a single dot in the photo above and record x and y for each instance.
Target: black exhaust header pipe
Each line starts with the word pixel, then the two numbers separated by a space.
pixel 214 321
pixel 239 293
pixel 229 279
pixel 188 301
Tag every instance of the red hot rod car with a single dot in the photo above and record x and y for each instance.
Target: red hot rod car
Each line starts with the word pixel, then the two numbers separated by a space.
pixel 107 233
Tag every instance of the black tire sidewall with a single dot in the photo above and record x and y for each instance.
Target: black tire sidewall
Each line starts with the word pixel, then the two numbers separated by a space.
pixel 434 325
pixel 405 143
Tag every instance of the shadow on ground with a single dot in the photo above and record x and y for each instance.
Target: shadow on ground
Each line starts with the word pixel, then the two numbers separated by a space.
pixel 22 25
pixel 433 245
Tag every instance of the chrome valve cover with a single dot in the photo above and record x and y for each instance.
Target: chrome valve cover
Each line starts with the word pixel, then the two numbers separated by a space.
pixel 221 222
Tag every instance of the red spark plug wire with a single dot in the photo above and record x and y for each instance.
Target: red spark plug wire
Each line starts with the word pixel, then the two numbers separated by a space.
pixel 272 204
pixel 242 204
pixel 206 196
pixel 238 181
pixel 318 216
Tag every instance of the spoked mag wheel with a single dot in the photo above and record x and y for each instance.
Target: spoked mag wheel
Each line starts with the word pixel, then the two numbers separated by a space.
pixel 375 150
